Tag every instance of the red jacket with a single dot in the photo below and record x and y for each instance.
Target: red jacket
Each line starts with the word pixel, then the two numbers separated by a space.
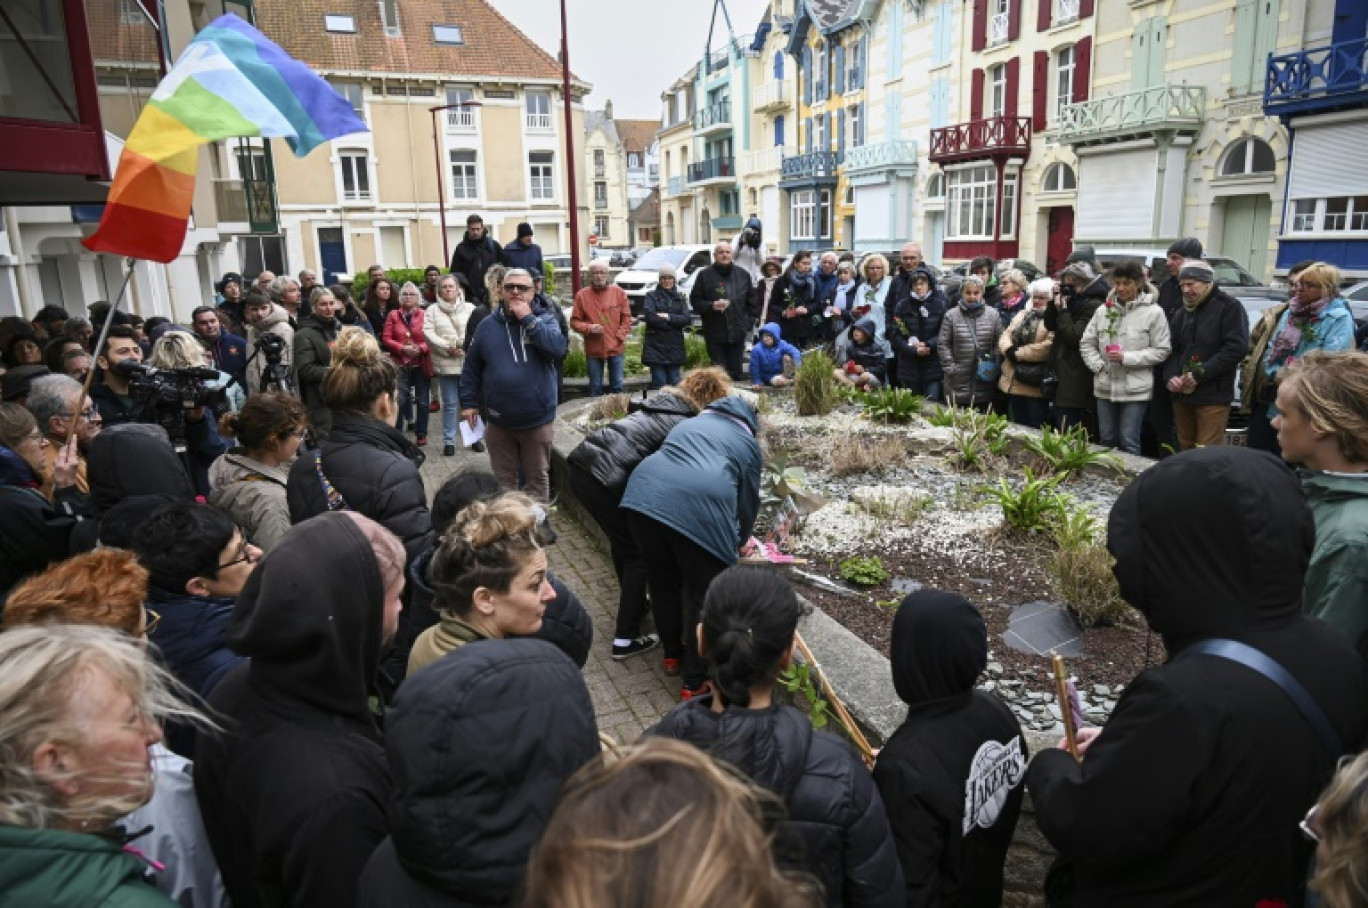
pixel 397 335
pixel 609 308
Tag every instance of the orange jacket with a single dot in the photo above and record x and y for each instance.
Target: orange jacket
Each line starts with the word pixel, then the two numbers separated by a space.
pixel 611 309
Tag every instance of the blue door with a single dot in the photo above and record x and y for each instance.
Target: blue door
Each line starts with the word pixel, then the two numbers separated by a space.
pixel 332 254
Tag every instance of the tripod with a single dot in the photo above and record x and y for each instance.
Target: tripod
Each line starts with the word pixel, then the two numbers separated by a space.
pixel 276 377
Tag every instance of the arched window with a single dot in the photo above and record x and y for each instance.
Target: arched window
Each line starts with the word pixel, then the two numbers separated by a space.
pixel 935 187
pixel 1059 178
pixel 778 65
pixel 1248 156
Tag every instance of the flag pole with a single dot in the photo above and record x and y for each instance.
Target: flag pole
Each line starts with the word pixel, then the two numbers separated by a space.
pixel 99 345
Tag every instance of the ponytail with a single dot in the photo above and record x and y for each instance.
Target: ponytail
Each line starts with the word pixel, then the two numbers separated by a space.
pixel 749 618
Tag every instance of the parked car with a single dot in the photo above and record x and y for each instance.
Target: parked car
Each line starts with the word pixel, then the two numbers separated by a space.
pixel 951 279
pixel 640 278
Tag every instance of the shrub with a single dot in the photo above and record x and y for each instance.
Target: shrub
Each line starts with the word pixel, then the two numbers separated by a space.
pixel 944 417
pixel 1069 452
pixel 850 456
pixel 361 280
pixel 695 351
pixel 549 277
pixel 863 571
pixel 891 405
pixel 1082 572
pixel 1035 508
pixel 901 509
pixel 815 389
pixel 576 365
pixel 609 408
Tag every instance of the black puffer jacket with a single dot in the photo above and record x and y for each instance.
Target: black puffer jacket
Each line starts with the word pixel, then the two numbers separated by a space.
pixel 664 344
pixel 1216 335
pixel 1192 792
pixel 1068 322
pixel 910 317
pixel 294 790
pixel 731 325
pixel 836 827
pixel 312 355
pixel 33 532
pixel 611 453
pixel 375 469
pixel 958 749
pixel 479 744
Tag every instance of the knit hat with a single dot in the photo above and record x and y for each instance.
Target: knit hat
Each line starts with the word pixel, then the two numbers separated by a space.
pixel 18 380
pixel 1083 253
pixel 1189 247
pixel 667 270
pixel 1196 270
pixel 1080 270
pixel 524 229
pixel 232 277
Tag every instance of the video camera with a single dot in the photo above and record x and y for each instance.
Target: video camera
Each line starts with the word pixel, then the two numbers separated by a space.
pixel 182 388
pixel 271 346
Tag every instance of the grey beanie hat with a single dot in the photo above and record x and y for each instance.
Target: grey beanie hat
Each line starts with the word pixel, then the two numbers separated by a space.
pixel 1196 270
pixel 1189 247
pixel 1082 270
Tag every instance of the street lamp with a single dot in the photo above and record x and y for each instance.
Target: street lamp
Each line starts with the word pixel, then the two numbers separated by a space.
pixel 437 150
pixel 570 153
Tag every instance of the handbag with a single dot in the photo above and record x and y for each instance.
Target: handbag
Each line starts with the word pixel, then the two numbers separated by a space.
pixel 1031 374
pixel 986 369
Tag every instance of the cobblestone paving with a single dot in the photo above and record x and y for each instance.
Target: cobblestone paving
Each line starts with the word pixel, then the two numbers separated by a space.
pixel 629 696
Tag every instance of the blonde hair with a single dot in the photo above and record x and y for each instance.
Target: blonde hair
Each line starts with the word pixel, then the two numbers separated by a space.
pixel 1324 276
pixel 1017 278
pixel 876 258
pixel 359 372
pixel 1342 818
pixel 1331 389
pixel 43 671
pixel 657 825
pixel 178 350
pixel 485 545
pixel 494 279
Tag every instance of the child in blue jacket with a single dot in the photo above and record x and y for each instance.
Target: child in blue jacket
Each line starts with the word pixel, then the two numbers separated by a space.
pixel 773 360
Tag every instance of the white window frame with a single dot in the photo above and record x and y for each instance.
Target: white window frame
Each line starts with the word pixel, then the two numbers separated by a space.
pixel 971 202
pixel 999 22
pixel 339 24
pixel 824 214
pixel 1066 63
pixel 853 118
pixel 347 90
pixel 633 160
pixel 803 214
pixel 537 111
pixel 447 35
pixel 997 90
pixel 601 224
pixel 465 181
pixel 1054 179
pixel 358 174
pixel 1064 11
pixel 1007 207
pixel 822 80
pixel 1316 216
pixel 542 174
pixel 460 119
pixel 1245 149
pixel 819 126
pixel 389 17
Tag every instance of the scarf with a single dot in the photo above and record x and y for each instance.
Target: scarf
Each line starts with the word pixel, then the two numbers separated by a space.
pixel 1299 316
pixel 15 470
pixel 803 284
pixel 971 311
pixel 842 297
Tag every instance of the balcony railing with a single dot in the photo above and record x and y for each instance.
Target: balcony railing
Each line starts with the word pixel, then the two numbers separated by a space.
pixel 1064 11
pixel 998 27
pixel 461 118
pixel 1322 78
pixel 770 96
pixel 813 165
pixel 712 169
pixel 539 121
pixel 884 155
pixel 230 198
pixel 1180 108
pixel 714 117
pixel 995 136
pixel 599 170
pixel 765 160
pixel 674 186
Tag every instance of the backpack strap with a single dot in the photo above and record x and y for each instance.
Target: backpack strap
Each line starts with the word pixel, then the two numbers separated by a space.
pixel 1273 670
pixel 331 496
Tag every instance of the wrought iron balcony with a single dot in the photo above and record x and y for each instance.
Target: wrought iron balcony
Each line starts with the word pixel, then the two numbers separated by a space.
pixel 771 96
pixel 1175 108
pixel 727 222
pixel 883 156
pixel 674 186
pixel 982 139
pixel 810 166
pixel 1321 79
pixel 713 170
pixel 714 118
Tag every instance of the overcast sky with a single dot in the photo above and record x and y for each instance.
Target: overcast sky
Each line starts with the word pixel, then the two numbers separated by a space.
pixel 630 50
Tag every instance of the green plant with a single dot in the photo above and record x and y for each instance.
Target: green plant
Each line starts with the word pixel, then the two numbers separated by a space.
pixel 890 604
pixel 576 364
pixel 863 571
pixel 1069 452
pixel 800 677
pixel 361 280
pixel 848 456
pixel 1075 527
pixel 1082 572
pixel 695 351
pixel 1035 508
pixel 891 405
pixel 903 509
pixel 944 417
pixel 549 277
pixel 815 389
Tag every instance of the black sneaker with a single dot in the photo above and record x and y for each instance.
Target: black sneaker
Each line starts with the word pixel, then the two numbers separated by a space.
pixel 478 447
pixel 636 647
pixel 448 450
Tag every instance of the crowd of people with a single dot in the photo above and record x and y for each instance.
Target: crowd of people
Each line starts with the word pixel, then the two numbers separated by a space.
pixel 280 673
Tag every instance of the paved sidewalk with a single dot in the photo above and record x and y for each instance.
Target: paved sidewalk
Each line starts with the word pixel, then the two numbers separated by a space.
pixel 629 696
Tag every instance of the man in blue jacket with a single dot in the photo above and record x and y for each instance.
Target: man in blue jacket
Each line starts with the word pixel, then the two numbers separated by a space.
pixel 511 363
pixel 228 351
pixel 523 253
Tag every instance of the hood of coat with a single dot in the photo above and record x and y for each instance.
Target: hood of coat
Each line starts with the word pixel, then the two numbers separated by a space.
pixel 769 745
pixel 1147 296
pixel 310 617
pixel 67 869
pixel 277 316
pixel 866 325
pixel 1211 543
pixel 327 326
pixel 236 466
pixel 772 329
pixel 938 648
pixel 669 402
pixel 134 459
pixel 738 409
pixel 479 744
pixel 356 428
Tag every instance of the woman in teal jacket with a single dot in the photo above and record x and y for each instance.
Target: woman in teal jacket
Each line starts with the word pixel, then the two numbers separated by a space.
pixel 1316 319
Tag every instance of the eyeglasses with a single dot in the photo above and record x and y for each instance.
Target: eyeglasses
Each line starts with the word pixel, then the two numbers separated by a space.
pixel 517 288
pixel 1305 825
pixel 90 413
pixel 301 432
pixel 150 621
pixel 245 553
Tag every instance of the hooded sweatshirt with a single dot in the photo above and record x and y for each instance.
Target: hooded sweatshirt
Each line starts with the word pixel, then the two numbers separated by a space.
pixel 766 362
pixel 1192 792
pixel 952 776
pixel 870 354
pixel 478 744
pixel 835 828
pixel 253 494
pixel 294 790
pixel 1337 579
pixel 513 365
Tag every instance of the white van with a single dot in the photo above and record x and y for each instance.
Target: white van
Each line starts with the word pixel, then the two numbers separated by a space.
pixel 640 279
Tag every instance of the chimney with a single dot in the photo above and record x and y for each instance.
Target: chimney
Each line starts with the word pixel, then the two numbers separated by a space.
pixel 608 109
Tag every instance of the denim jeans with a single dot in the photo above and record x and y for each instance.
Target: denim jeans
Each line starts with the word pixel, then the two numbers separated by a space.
pixel 933 391
pixel 413 391
pixel 450 386
pixel 664 375
pixel 1028 411
pixel 596 365
pixel 1120 424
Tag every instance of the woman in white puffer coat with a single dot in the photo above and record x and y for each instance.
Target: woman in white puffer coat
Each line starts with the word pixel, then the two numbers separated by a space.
pixel 1126 338
pixel 445 332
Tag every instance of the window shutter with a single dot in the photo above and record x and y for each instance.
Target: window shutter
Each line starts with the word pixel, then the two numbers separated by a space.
pixel 779 65
pixel 779 130
pixel 1040 90
pixel 807 132
pixel 976 95
pixel 864 124
pixel 838 64
pixel 840 134
pixel 1085 8
pixel 807 75
pixel 864 61
pixel 1009 108
pixel 1044 15
pixel 1013 19
pixel 1082 64
pixel 980 40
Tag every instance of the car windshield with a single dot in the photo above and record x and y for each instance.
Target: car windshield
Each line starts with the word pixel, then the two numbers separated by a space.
pixel 665 255
pixel 1230 274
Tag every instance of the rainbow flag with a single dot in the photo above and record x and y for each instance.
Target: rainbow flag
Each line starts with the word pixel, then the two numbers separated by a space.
pixel 231 81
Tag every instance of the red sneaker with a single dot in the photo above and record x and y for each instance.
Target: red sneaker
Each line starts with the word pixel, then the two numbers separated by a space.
pixel 435 407
pixel 688 693
pixel 420 441
pixel 673 666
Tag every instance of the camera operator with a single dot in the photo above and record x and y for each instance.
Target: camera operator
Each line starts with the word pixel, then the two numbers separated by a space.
pixel 271 339
pixel 748 251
